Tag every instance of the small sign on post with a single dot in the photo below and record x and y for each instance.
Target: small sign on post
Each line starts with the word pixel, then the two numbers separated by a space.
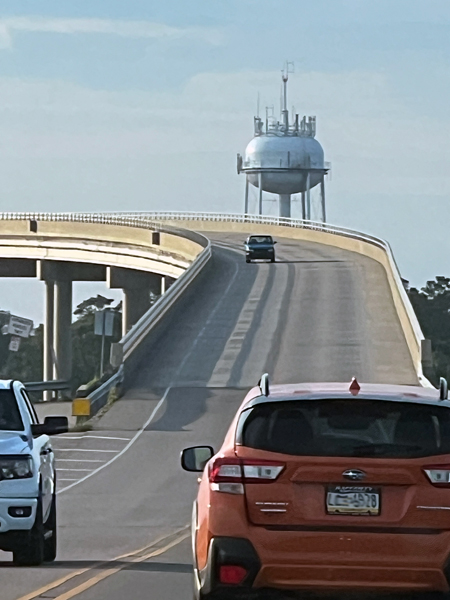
pixel 20 327
pixel 14 344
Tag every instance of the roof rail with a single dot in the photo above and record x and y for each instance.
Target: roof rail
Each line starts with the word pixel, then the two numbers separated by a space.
pixel 264 384
pixel 443 389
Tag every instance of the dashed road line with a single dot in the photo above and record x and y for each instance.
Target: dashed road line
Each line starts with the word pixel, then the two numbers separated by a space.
pixel 84 450
pixel 96 437
pixel 73 470
pixel 122 452
pixel 176 538
pixel 84 460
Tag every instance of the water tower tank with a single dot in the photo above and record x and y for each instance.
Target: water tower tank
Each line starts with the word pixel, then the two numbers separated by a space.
pixel 284 158
pixel 285 161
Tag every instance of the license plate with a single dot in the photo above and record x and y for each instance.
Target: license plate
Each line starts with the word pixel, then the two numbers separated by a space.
pixel 353 500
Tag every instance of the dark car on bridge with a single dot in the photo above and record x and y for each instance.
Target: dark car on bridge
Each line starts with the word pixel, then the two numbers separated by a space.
pixel 259 247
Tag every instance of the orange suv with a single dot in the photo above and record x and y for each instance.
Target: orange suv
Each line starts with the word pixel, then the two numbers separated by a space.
pixel 326 487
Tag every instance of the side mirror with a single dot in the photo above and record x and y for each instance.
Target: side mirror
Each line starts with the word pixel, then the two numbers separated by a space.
pixel 275 242
pixel 51 426
pixel 195 459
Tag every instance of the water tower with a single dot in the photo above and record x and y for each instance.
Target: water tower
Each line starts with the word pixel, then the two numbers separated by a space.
pixel 285 158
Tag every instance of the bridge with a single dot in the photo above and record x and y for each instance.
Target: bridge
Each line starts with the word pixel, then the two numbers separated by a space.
pixel 333 306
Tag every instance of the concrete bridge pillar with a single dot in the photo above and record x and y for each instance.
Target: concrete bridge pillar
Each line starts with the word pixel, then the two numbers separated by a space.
pixel 137 287
pixel 59 277
pixel 63 332
pixel 49 327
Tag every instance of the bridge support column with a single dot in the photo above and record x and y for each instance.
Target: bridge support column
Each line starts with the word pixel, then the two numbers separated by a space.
pixel 137 287
pixel 49 327
pixel 166 282
pixel 63 333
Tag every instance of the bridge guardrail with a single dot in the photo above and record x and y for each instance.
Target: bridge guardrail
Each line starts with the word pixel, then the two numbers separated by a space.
pixel 324 228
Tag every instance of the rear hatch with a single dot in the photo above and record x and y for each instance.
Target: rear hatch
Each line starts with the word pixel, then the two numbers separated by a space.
pixel 344 463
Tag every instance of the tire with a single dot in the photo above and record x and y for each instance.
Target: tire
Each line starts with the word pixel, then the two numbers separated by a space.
pixel 247 260
pixel 50 543
pixel 31 554
pixel 272 259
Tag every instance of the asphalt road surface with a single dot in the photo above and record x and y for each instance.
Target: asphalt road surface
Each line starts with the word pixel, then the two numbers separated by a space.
pixel 124 503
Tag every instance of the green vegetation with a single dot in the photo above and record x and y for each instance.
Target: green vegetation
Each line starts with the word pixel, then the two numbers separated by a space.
pixel 27 363
pixel 432 307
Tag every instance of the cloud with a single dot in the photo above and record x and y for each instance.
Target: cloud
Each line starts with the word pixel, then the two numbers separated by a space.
pixel 5 37
pixel 121 28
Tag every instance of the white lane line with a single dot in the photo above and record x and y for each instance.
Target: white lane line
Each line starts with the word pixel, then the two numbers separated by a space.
pixel 84 450
pixel 79 460
pixel 221 374
pixel 96 437
pixel 122 452
pixel 166 393
pixel 88 470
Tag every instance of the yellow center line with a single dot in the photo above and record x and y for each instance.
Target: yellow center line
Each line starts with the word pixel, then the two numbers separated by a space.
pixel 101 576
pixel 58 582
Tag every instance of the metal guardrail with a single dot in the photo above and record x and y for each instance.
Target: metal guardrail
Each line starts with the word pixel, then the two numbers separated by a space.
pixel 44 386
pixel 100 396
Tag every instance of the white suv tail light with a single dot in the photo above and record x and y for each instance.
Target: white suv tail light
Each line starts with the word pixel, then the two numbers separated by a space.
pixel 438 474
pixel 230 474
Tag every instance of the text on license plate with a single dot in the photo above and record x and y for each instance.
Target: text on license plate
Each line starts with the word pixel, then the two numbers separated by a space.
pixel 353 500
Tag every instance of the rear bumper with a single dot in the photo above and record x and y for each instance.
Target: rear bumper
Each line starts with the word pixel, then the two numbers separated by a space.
pixel 324 561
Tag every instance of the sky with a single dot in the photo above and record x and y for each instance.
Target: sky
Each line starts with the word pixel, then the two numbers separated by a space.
pixel 142 105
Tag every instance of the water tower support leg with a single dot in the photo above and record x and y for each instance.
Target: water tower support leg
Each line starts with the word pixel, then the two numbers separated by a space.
pixel 308 197
pixel 246 196
pixel 285 206
pixel 303 205
pixel 260 193
pixel 322 193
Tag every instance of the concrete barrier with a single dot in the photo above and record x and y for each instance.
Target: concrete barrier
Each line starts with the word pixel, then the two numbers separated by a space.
pixel 338 237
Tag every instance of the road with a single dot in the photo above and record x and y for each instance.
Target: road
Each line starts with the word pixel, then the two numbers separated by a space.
pixel 317 314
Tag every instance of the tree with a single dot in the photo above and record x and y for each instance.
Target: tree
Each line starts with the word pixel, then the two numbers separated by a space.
pixel 432 307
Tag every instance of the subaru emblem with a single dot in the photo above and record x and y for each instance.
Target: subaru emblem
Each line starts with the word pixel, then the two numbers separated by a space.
pixel 354 474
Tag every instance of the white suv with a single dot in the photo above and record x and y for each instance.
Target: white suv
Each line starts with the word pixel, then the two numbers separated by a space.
pixel 27 478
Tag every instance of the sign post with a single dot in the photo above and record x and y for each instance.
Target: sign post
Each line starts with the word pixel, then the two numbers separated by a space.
pixel 104 326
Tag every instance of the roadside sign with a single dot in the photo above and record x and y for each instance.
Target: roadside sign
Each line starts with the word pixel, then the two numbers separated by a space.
pixel 14 344
pixel 104 323
pixel 19 327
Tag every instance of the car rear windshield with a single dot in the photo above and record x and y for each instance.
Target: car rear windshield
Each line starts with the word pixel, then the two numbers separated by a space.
pixel 364 428
pixel 10 419
pixel 260 239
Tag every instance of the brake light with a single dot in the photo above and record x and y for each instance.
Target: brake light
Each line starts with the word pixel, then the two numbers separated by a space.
pixel 230 474
pixel 438 474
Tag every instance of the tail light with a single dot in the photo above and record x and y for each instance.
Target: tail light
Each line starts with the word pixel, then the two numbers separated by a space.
pixel 438 474
pixel 230 474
